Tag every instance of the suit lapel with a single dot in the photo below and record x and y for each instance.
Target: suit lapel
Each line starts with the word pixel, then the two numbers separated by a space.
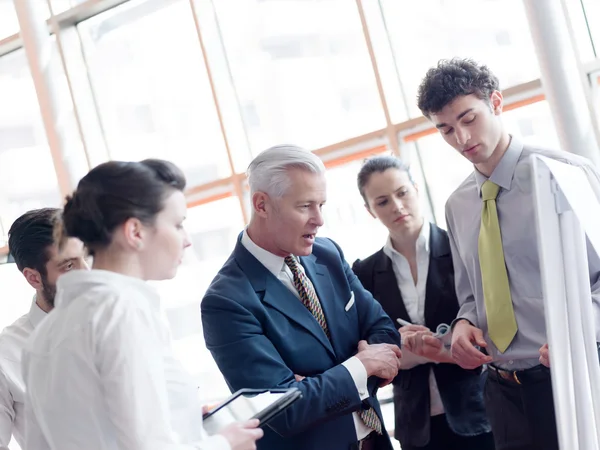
pixel 439 250
pixel 279 297
pixel 332 308
pixel 385 289
pixel 275 294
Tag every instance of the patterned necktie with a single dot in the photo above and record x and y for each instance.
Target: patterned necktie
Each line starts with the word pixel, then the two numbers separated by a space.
pixel 502 325
pixel 309 298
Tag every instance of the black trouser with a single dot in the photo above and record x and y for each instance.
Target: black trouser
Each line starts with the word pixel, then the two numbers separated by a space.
pixel 521 409
pixel 443 438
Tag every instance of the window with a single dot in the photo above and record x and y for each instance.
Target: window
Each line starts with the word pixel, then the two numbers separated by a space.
pixel 592 16
pixel 27 175
pixel 445 169
pixel 494 33
pixel 347 221
pixel 304 67
pixel 59 6
pixel 9 24
pixel 152 88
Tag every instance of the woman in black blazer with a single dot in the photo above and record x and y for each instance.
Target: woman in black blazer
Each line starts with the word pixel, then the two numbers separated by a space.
pixel 438 405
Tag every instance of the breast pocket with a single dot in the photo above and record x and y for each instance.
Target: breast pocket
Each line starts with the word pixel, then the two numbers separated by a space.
pixel 350 313
pixel 350 303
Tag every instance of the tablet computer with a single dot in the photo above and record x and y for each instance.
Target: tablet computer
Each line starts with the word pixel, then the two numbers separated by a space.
pixel 246 404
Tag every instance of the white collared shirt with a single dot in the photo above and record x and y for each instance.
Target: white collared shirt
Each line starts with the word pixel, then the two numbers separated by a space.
pixel 101 375
pixel 12 388
pixel 414 297
pixel 277 266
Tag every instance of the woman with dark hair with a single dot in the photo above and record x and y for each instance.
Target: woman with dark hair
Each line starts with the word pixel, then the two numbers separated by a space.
pixel 100 371
pixel 438 405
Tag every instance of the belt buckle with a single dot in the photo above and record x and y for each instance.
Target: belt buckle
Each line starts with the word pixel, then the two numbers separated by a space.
pixel 508 375
pixel 516 378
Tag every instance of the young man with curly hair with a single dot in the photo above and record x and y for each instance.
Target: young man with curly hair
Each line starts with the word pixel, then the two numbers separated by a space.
pixel 495 254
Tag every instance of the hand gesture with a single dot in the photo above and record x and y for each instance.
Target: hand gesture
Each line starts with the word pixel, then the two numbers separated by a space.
pixel 422 343
pixel 381 360
pixel 407 330
pixel 464 338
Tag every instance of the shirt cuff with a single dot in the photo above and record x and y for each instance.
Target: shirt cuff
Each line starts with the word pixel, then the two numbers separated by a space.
pixel 465 317
pixel 359 376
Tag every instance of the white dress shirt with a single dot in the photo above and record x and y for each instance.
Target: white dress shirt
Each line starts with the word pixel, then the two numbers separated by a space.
pixel 414 298
pixel 12 388
pixel 277 266
pixel 101 375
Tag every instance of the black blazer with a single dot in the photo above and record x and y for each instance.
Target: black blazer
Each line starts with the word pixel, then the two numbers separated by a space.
pixel 460 390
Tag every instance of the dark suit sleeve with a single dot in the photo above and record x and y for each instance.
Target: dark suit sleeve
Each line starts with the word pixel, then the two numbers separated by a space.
pixel 360 270
pixel 236 339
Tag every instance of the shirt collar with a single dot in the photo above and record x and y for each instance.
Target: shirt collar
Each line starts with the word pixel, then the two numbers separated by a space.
pixel 505 170
pixel 272 262
pixel 36 314
pixel 422 241
pixel 74 284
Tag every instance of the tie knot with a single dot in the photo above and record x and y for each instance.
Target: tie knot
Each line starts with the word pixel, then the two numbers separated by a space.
pixel 291 263
pixel 489 190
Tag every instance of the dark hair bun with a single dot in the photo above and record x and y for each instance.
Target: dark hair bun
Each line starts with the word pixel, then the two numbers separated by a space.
pixel 114 192
pixel 84 220
pixel 167 172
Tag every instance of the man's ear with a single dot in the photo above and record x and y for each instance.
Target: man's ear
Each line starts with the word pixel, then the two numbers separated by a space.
pixel 497 102
pixel 259 204
pixel 34 278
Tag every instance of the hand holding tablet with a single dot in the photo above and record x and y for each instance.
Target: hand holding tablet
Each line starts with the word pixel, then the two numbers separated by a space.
pixel 246 404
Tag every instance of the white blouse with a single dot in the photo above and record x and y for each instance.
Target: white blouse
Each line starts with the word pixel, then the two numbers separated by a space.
pixel 414 296
pixel 100 373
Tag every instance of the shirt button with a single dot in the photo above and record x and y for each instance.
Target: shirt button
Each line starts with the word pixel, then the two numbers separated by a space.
pixel 362 393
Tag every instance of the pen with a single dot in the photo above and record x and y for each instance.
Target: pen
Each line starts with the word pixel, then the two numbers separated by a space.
pixel 403 322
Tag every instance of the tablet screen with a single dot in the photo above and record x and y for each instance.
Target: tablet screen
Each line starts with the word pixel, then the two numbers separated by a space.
pixel 245 407
pixel 240 409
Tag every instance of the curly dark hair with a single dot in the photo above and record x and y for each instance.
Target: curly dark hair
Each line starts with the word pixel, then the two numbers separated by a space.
pixel 454 78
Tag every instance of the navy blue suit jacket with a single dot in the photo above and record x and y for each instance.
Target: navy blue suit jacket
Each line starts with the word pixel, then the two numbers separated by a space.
pixel 260 335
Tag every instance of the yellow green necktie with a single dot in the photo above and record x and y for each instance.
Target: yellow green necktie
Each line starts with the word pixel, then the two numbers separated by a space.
pixel 502 325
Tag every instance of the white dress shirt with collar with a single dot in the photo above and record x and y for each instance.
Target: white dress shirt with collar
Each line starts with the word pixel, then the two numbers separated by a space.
pixel 101 375
pixel 12 388
pixel 414 298
pixel 277 266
